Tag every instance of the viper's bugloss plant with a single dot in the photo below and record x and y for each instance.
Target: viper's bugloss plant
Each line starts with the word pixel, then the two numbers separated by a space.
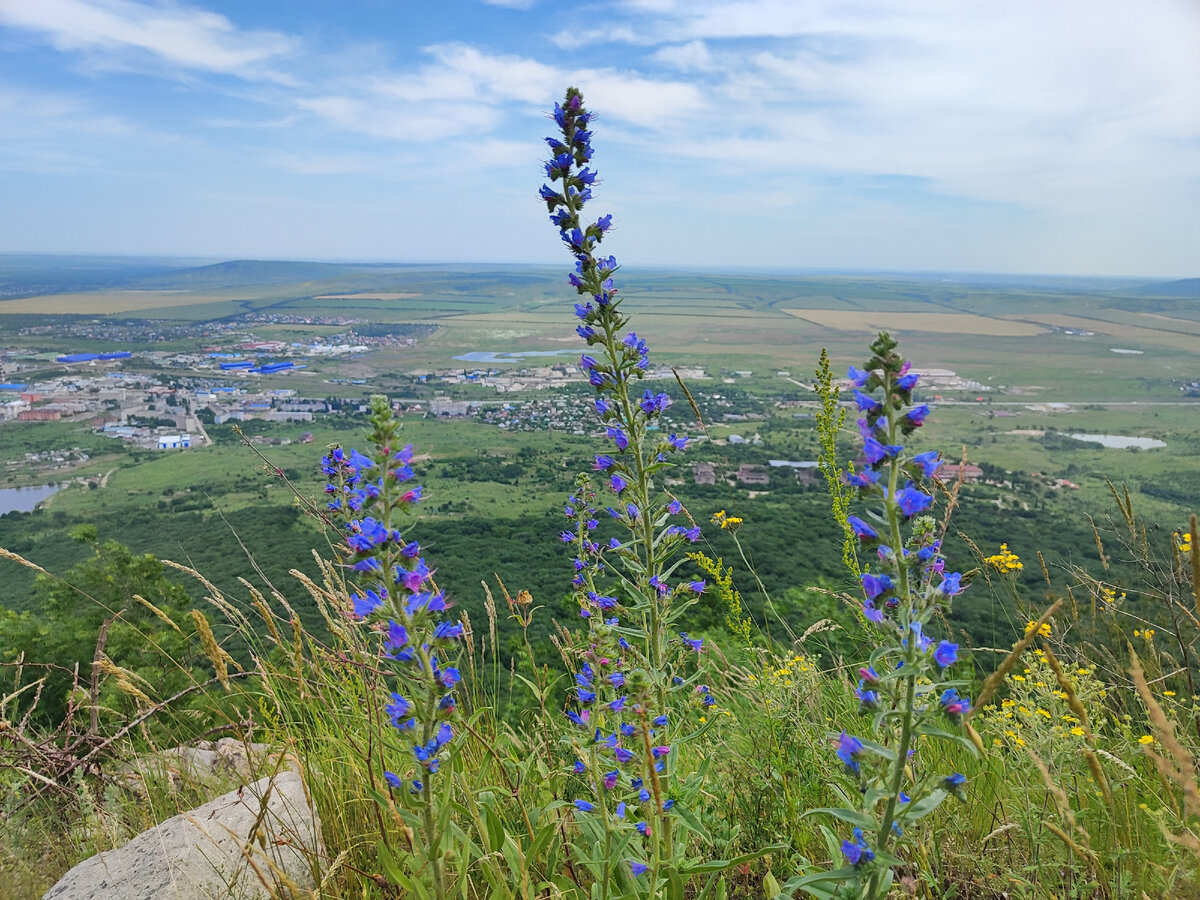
pixel 638 687
pixel 415 641
pixel 905 689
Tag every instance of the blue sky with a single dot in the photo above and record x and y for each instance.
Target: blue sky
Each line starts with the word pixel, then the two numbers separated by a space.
pixel 1014 136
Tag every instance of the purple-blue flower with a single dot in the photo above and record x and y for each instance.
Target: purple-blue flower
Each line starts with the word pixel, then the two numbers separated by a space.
pixel 857 851
pixel 866 478
pixel 912 501
pixel 951 584
pixel 861 529
pixel 946 654
pixel 917 414
pixel 848 751
pixel 928 461
pixel 877 452
pixel 876 585
pixel 865 402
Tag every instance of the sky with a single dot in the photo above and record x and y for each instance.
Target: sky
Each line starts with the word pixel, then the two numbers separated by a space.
pixel 900 135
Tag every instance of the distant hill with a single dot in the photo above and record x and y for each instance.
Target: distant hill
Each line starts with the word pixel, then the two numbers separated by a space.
pixel 1186 288
pixel 247 272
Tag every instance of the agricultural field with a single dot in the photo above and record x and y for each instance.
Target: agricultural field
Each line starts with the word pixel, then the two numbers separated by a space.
pixel 1021 366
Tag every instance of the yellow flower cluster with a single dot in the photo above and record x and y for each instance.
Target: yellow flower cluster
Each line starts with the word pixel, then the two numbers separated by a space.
pixel 1005 560
pixel 1110 595
pixel 787 670
pixel 1037 714
pixel 1044 630
pixel 1182 541
pixel 727 522
pixel 1147 633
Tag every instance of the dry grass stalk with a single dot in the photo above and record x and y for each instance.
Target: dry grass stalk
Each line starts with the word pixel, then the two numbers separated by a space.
pixel 468 640
pixel 1085 852
pixel 268 616
pixel 17 558
pixel 818 627
pixel 214 651
pixel 1195 544
pixel 125 680
pixel 1063 803
pixel 1181 769
pixel 1068 687
pixel 996 679
pixel 1099 544
pixel 489 606
pixel 996 832
pixel 1045 570
pixel 156 611
pixel 215 596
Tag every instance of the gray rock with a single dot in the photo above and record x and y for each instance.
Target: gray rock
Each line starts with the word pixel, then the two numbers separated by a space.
pixel 256 842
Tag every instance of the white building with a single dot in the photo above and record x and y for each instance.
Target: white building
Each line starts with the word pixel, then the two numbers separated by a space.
pixel 174 441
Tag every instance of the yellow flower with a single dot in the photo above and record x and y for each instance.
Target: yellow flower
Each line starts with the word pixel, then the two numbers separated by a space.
pixel 1042 712
pixel 1018 678
pixel 1077 731
pixel 1007 701
pixel 1146 739
pixel 1168 693
pixel 1044 630
pixel 1005 560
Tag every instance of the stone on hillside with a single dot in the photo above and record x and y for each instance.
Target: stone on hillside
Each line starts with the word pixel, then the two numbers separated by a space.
pixel 255 842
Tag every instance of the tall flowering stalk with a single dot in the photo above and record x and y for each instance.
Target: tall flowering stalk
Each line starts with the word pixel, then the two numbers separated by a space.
pixel 636 680
pixel 905 686
pixel 394 595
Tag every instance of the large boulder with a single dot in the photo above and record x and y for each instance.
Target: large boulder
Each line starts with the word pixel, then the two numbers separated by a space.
pixel 259 841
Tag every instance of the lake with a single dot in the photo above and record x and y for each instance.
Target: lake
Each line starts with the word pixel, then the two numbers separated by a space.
pixel 1119 442
pixel 24 499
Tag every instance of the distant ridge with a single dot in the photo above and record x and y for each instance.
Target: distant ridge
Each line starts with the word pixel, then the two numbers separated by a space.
pixel 1187 288
pixel 240 272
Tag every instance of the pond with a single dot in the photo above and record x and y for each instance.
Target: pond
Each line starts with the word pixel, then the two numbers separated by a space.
pixel 1120 442
pixel 24 499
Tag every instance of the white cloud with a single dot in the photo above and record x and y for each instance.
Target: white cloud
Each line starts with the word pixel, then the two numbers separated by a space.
pixel 180 35
pixel 462 72
pixel 692 56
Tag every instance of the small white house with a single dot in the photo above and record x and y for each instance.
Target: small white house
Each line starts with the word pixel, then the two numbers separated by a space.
pixel 174 441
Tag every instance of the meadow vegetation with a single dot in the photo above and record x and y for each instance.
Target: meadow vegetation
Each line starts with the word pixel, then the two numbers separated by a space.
pixel 667 689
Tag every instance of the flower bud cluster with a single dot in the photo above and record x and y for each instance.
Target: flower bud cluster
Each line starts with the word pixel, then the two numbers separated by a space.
pixel 394 592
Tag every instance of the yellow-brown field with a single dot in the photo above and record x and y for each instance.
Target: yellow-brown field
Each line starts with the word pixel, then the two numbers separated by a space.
pixel 900 322
pixel 1117 330
pixel 108 302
